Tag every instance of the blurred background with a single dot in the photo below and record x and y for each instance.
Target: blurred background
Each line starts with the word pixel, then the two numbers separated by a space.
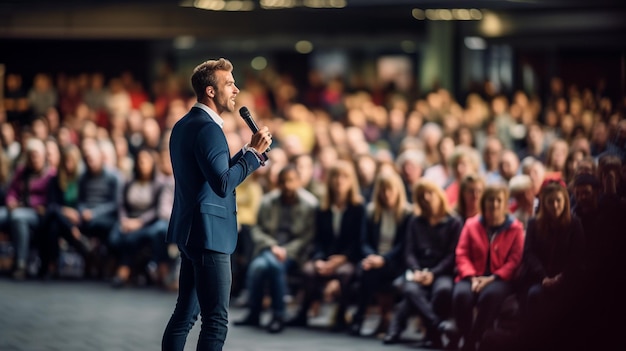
pixel 458 45
pixel 356 77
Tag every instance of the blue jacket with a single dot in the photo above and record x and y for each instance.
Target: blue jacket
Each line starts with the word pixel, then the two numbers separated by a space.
pixel 204 214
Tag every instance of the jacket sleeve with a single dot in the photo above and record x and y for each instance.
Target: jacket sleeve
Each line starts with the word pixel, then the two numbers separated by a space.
pixel 532 267
pixel 464 264
pixel 353 247
pixel 366 248
pixel 514 257
pixel 446 265
pixel 410 238
pixel 575 263
pixel 214 160
pixel 13 192
pixel 261 237
pixel 319 252
pixel 297 245
pixel 110 207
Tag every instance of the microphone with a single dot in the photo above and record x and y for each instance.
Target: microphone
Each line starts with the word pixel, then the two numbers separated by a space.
pixel 247 117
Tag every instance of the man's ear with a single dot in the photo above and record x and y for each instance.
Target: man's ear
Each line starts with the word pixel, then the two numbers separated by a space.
pixel 210 91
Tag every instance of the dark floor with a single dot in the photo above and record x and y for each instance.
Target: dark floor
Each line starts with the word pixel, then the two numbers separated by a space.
pixel 81 316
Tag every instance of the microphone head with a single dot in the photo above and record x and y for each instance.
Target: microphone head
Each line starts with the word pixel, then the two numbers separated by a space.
pixel 244 112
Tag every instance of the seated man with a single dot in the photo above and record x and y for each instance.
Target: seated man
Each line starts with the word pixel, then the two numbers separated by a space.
pixel 281 237
pixel 99 189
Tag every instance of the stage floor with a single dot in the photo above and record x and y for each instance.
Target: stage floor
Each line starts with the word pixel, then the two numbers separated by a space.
pixel 86 315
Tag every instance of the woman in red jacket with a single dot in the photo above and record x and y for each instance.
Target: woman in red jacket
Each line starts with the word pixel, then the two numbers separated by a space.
pixel 487 256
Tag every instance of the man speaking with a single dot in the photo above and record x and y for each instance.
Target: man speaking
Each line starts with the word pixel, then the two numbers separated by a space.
pixel 203 222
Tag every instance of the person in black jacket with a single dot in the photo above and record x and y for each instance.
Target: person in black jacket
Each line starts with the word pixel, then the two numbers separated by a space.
pixel 552 265
pixel 431 239
pixel 339 226
pixel 382 247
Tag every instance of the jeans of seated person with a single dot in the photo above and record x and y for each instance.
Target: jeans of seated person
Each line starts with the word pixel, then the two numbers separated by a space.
pixel 22 222
pixel 205 279
pixel 99 227
pixel 487 302
pixel 126 245
pixel 267 268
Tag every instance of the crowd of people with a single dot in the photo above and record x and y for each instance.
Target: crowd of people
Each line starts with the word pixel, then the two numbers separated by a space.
pixel 496 220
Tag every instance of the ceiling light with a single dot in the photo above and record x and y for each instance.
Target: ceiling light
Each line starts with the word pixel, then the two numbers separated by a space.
pixel 304 46
pixel 475 43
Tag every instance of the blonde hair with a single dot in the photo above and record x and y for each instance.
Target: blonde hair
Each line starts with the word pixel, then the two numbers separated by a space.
pixel 69 151
pixel 389 179
pixel 465 182
pixel 493 190
pixel 346 168
pixel 464 151
pixel 426 185
pixel 204 75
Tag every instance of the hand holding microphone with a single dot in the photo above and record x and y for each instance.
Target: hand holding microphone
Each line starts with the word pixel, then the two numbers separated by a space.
pixel 262 138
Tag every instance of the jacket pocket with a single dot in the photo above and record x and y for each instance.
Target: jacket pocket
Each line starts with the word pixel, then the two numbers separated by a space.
pixel 213 210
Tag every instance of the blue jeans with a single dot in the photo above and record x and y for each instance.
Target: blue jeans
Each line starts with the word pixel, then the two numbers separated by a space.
pixel 22 221
pixel 267 268
pixel 204 287
pixel 127 244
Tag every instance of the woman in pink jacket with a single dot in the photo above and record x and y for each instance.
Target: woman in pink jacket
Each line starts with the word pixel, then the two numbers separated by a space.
pixel 487 256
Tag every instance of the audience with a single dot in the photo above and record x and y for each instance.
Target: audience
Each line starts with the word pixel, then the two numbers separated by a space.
pixel 569 134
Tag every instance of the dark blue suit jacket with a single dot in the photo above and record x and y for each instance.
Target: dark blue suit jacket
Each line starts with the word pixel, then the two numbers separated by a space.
pixel 204 214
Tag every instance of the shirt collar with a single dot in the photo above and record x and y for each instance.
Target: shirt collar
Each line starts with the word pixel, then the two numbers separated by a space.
pixel 216 118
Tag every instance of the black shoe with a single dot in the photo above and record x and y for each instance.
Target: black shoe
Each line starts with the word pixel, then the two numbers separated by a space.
pixel 452 334
pixel 276 326
pixel 297 321
pixel 434 343
pixel 251 320
pixel 391 338
pixel 433 337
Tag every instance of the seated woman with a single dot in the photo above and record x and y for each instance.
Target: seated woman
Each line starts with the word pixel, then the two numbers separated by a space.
pixel 430 239
pixel 488 254
pixel 138 214
pixel 463 161
pixel 339 227
pixel 382 248
pixel 470 191
pixel 62 217
pixel 552 263
pixel 26 202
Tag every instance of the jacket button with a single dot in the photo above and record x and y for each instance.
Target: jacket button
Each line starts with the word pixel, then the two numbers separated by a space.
pixel 234 212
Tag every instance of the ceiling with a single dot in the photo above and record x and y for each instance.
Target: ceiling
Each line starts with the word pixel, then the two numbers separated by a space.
pixel 166 18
